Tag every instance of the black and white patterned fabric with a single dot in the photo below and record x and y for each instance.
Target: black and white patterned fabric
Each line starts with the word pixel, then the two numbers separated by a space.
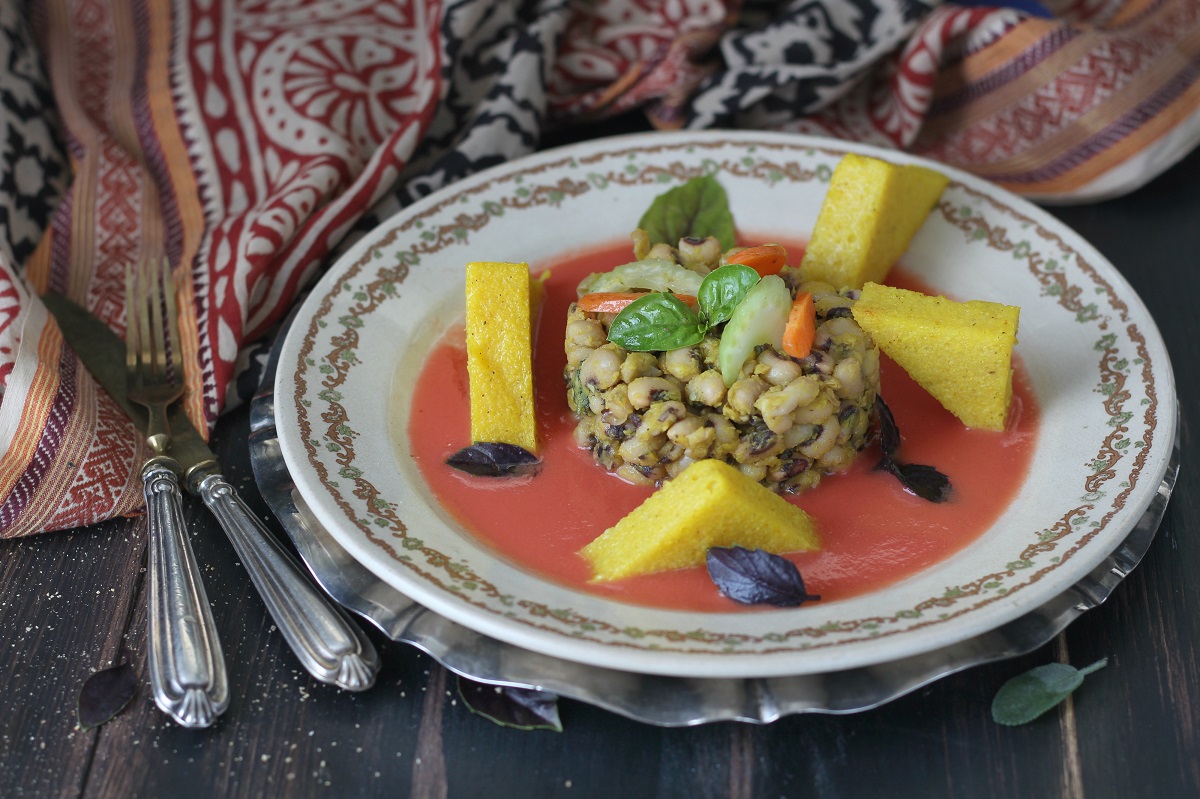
pixel 785 60
pixel 33 167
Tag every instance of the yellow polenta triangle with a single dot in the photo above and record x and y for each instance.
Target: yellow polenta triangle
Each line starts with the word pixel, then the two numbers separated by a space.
pixel 869 216
pixel 708 504
pixel 960 352
pixel 500 302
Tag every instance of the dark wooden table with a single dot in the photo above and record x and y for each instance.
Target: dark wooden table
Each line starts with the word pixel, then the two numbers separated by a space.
pixel 69 603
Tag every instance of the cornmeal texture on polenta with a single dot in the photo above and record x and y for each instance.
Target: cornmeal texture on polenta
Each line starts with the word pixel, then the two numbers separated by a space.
pixel 500 353
pixel 709 504
pixel 869 216
pixel 960 352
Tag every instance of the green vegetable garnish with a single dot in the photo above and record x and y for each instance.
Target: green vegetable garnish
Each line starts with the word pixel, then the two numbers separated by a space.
pixel 658 321
pixel 759 318
pixel 722 290
pixel 697 208
pixel 1029 695
pixel 652 274
pixel 662 321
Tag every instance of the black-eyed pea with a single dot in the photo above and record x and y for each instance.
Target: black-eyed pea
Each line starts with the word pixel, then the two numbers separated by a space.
pixel 586 333
pixel 823 442
pixel 646 390
pixel 660 417
pixel 683 363
pixel 849 376
pixel 602 369
pixel 639 364
pixel 776 369
pixel 743 394
pixel 706 388
pixel 640 451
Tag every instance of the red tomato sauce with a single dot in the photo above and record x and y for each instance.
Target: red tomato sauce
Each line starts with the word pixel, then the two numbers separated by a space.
pixel 873 532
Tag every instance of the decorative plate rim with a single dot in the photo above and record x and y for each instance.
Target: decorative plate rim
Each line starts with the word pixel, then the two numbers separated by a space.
pixel 359 517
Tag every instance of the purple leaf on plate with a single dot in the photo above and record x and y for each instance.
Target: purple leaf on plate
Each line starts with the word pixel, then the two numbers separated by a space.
pixel 491 459
pixel 521 708
pixel 105 694
pixel 757 577
pixel 924 481
pixel 889 431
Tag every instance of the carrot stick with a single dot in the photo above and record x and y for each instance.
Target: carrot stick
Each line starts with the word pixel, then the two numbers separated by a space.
pixel 766 259
pixel 801 326
pixel 615 301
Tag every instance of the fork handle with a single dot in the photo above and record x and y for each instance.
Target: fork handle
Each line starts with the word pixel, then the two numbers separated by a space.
pixel 187 669
pixel 329 645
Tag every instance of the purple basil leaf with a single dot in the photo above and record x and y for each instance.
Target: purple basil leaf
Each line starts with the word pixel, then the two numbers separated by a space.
pixel 522 708
pixel 889 433
pixel 105 694
pixel 757 577
pixel 490 459
pixel 924 481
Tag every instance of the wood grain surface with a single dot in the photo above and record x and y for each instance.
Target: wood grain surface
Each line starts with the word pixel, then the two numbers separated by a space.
pixel 72 602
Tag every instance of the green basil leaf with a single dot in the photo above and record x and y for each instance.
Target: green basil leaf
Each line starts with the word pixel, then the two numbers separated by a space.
pixel 722 289
pixel 1027 696
pixel 657 321
pixel 697 208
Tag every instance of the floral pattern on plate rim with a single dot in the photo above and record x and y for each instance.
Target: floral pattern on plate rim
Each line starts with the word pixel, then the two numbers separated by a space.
pixel 375 517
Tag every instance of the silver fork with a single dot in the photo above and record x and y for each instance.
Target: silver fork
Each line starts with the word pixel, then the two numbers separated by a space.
pixel 187 669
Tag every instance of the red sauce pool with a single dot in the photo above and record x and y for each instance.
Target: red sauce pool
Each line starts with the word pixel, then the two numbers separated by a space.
pixel 873 532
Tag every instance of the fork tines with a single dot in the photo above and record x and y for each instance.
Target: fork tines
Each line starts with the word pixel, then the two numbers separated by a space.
pixel 152 358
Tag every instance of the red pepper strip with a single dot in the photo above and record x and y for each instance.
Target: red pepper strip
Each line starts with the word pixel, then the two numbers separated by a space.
pixel 615 301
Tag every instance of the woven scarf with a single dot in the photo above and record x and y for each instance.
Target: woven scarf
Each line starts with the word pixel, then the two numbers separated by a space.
pixel 249 142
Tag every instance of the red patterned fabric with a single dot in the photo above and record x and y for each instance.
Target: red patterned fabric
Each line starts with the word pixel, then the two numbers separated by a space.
pixel 246 142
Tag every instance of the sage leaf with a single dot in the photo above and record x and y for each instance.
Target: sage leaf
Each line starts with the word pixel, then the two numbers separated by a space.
pixel 697 208
pixel 658 321
pixel 757 577
pixel 105 694
pixel 1027 696
pixel 722 290
pixel 924 481
pixel 520 708
pixel 494 459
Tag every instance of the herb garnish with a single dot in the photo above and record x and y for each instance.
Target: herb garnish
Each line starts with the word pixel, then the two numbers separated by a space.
pixel 106 693
pixel 924 481
pixel 1027 696
pixel 757 577
pixel 661 321
pixel 492 459
pixel 521 708
pixel 698 208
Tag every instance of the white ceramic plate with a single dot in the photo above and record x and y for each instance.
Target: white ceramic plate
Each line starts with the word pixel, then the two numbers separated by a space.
pixel 1097 363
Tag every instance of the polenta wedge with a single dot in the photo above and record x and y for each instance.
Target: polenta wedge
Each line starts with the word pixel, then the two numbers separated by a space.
pixel 709 504
pixel 960 352
pixel 501 303
pixel 869 216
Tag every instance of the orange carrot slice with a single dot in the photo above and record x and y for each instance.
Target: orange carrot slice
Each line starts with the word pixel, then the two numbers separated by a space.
pixel 766 259
pixel 801 326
